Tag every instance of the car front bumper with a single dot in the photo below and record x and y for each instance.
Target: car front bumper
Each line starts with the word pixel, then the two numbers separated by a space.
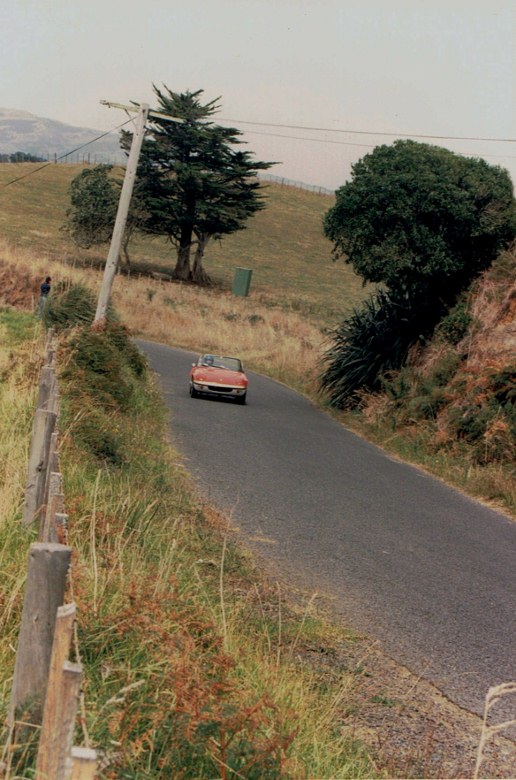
pixel 222 390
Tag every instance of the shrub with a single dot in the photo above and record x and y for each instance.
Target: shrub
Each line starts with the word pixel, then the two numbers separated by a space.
pixel 93 431
pixel 118 335
pixel 101 373
pixel 424 222
pixel 255 319
pixel 96 368
pixel 455 325
pixel 398 385
pixel 503 384
pixel 371 342
pixel 421 219
pixel 69 306
pixel 484 414
pixel 444 371
pixel 428 404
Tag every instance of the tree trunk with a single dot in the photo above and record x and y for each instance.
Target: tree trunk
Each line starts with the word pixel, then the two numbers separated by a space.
pixel 182 270
pixel 199 275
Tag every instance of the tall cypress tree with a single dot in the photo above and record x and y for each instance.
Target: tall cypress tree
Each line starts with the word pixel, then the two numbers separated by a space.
pixel 194 183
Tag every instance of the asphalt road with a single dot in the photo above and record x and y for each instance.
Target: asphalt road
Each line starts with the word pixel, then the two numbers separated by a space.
pixel 405 559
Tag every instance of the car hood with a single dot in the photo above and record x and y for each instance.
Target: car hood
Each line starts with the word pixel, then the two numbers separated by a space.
pixel 221 376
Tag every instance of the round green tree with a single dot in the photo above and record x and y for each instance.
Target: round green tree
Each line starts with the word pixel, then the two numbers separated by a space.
pixel 94 199
pixel 422 223
pixel 94 196
pixel 422 220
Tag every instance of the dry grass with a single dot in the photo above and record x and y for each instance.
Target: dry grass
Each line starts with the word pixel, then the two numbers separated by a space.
pixel 279 329
pixel 281 343
pixel 296 294
pixel 489 729
pixel 181 664
pixel 17 396
pixel 283 245
pixel 494 312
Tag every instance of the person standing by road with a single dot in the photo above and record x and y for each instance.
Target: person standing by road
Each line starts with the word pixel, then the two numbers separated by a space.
pixel 44 290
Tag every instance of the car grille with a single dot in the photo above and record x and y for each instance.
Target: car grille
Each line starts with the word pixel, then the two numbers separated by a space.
pixel 219 389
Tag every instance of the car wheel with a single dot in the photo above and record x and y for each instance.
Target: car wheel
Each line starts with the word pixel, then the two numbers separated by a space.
pixel 240 399
pixel 193 392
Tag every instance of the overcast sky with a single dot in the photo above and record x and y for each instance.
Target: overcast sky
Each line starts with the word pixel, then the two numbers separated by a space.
pixel 401 67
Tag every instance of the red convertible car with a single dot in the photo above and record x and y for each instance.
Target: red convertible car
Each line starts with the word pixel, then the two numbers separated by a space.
pixel 220 376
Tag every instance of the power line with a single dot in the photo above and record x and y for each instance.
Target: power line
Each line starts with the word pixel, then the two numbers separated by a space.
pixel 62 156
pixel 371 132
pixel 368 146
pixel 318 140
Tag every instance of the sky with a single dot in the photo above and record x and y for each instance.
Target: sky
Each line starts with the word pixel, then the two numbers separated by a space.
pixel 313 84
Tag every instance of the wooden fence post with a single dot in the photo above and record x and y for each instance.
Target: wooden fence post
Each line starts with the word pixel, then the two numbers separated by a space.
pixel 84 763
pixel 49 346
pixel 51 332
pixel 47 384
pixel 53 461
pixel 55 503
pixel 55 400
pixel 44 593
pixel 61 524
pixel 50 736
pixel 70 691
pixel 50 350
pixel 44 424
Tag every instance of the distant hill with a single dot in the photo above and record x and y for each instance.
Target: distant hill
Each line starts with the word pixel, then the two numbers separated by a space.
pixel 21 131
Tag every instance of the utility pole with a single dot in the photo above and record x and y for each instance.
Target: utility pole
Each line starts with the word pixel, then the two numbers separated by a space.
pixel 121 214
pixel 125 199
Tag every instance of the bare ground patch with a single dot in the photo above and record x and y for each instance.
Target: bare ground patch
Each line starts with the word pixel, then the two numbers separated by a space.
pixel 413 730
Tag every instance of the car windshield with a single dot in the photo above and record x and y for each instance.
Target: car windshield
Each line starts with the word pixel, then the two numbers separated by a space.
pixel 231 363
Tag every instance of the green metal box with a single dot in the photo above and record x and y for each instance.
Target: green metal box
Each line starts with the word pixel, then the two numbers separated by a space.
pixel 242 281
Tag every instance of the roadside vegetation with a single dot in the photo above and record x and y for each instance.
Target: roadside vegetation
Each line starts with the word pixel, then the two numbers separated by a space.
pixel 193 662
pixel 424 223
pixel 172 613
pixel 452 407
pixel 427 225
pixel 285 325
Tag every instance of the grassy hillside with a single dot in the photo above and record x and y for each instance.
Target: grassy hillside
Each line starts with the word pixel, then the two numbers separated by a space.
pixel 452 408
pixel 283 244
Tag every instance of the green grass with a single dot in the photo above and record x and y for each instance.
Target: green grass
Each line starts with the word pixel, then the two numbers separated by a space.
pixel 19 345
pixel 32 210
pixel 17 326
pixel 283 245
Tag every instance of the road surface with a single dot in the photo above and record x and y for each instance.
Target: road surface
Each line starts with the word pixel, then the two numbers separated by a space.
pixel 406 559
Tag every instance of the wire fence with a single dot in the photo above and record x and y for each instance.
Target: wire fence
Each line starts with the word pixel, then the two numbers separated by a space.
pixel 283 182
pixel 94 158
pixel 74 158
pixel 88 159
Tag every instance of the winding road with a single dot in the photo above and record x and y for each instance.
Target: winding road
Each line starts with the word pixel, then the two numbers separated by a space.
pixel 428 572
